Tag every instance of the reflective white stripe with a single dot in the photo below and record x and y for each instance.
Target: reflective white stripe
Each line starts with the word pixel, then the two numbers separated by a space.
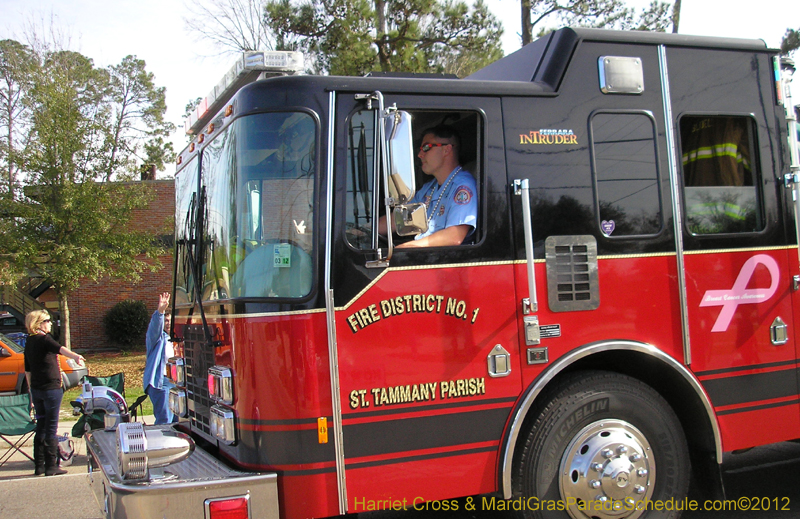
pixel 719 150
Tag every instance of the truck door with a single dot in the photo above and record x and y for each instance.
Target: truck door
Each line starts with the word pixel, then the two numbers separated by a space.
pixel 427 346
pixel 738 268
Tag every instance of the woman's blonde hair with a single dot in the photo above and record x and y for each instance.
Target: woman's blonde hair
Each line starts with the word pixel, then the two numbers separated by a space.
pixel 35 319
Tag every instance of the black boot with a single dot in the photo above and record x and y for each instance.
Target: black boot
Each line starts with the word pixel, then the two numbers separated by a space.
pixel 38 455
pixel 51 467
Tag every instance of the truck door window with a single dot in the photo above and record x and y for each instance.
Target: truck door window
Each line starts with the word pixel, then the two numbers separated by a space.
pixel 364 204
pixel 720 188
pixel 626 174
pixel 360 180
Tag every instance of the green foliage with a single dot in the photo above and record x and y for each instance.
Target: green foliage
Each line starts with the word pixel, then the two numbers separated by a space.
pixel 87 127
pixel 790 41
pixel 354 37
pixel 136 121
pixel 16 63
pixel 607 14
pixel 126 323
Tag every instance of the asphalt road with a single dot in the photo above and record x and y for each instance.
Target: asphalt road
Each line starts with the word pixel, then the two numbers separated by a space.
pixel 767 473
pixel 61 497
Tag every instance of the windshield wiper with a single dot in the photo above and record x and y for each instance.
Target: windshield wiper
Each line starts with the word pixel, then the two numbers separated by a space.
pixel 193 244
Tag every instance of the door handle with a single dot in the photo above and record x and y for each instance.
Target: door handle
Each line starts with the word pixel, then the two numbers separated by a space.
pixel 778 332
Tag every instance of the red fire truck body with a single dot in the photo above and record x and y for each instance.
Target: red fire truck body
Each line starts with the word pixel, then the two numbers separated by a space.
pixel 622 318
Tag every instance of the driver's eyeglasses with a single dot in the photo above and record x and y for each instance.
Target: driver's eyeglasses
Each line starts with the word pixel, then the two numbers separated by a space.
pixel 425 148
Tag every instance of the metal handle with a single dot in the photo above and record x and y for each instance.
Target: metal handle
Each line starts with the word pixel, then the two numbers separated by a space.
pixel 522 188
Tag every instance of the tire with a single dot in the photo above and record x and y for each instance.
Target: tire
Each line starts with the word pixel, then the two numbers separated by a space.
pixel 602 446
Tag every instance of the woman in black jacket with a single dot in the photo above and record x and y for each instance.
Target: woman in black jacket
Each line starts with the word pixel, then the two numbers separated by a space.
pixel 44 378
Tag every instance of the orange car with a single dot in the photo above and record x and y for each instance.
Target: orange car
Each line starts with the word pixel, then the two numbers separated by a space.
pixel 12 369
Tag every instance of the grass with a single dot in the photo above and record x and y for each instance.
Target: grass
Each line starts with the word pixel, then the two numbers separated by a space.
pixel 104 364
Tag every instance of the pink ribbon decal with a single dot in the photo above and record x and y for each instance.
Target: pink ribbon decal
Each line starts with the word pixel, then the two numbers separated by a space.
pixel 739 294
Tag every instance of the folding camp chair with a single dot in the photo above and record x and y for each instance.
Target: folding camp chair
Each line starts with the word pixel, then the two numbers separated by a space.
pixel 15 420
pixel 96 420
pixel 136 408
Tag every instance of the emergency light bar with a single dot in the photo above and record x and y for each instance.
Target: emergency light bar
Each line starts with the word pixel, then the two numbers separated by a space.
pixel 251 66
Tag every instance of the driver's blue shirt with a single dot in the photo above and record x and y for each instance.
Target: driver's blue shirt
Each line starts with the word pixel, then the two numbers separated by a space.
pixel 452 203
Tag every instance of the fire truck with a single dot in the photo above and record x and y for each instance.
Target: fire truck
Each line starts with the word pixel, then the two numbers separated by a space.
pixel 622 318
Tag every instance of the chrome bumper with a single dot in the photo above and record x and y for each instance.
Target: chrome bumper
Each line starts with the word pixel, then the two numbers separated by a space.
pixel 176 491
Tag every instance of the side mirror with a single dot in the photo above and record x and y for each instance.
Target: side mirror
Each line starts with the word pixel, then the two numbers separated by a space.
pixel 4 353
pixel 401 156
pixel 410 219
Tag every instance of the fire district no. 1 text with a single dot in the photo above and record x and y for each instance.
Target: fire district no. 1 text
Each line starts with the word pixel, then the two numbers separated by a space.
pixel 408 304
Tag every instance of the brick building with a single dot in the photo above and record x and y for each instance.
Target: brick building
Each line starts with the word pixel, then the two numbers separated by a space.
pixel 89 304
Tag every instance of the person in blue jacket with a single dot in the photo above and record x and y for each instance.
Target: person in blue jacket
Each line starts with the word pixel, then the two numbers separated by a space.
pixel 159 349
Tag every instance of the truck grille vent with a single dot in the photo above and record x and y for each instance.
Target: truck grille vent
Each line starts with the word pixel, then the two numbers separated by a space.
pixel 199 357
pixel 572 273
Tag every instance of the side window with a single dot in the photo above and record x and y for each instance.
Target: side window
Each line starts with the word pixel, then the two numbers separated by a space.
pixel 720 182
pixel 364 196
pixel 361 205
pixel 626 174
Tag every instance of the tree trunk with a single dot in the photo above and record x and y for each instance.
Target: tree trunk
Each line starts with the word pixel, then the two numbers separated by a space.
pixel 527 30
pixel 676 15
pixel 64 328
pixel 380 15
pixel 9 158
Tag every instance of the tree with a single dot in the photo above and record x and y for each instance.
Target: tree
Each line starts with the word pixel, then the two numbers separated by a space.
pixel 790 41
pixel 16 62
pixel 676 16
pixel 230 25
pixel 593 13
pixel 137 123
pixel 353 37
pixel 73 222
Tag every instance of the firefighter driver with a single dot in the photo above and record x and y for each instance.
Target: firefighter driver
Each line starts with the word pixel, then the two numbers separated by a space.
pixel 450 201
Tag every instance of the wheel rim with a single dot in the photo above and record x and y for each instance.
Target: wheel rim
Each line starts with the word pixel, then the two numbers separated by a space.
pixel 607 472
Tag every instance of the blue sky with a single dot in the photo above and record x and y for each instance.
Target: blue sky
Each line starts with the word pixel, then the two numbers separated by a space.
pixel 154 30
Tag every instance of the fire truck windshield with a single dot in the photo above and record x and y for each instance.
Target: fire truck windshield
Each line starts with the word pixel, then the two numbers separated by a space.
pixel 258 177
pixel 185 221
